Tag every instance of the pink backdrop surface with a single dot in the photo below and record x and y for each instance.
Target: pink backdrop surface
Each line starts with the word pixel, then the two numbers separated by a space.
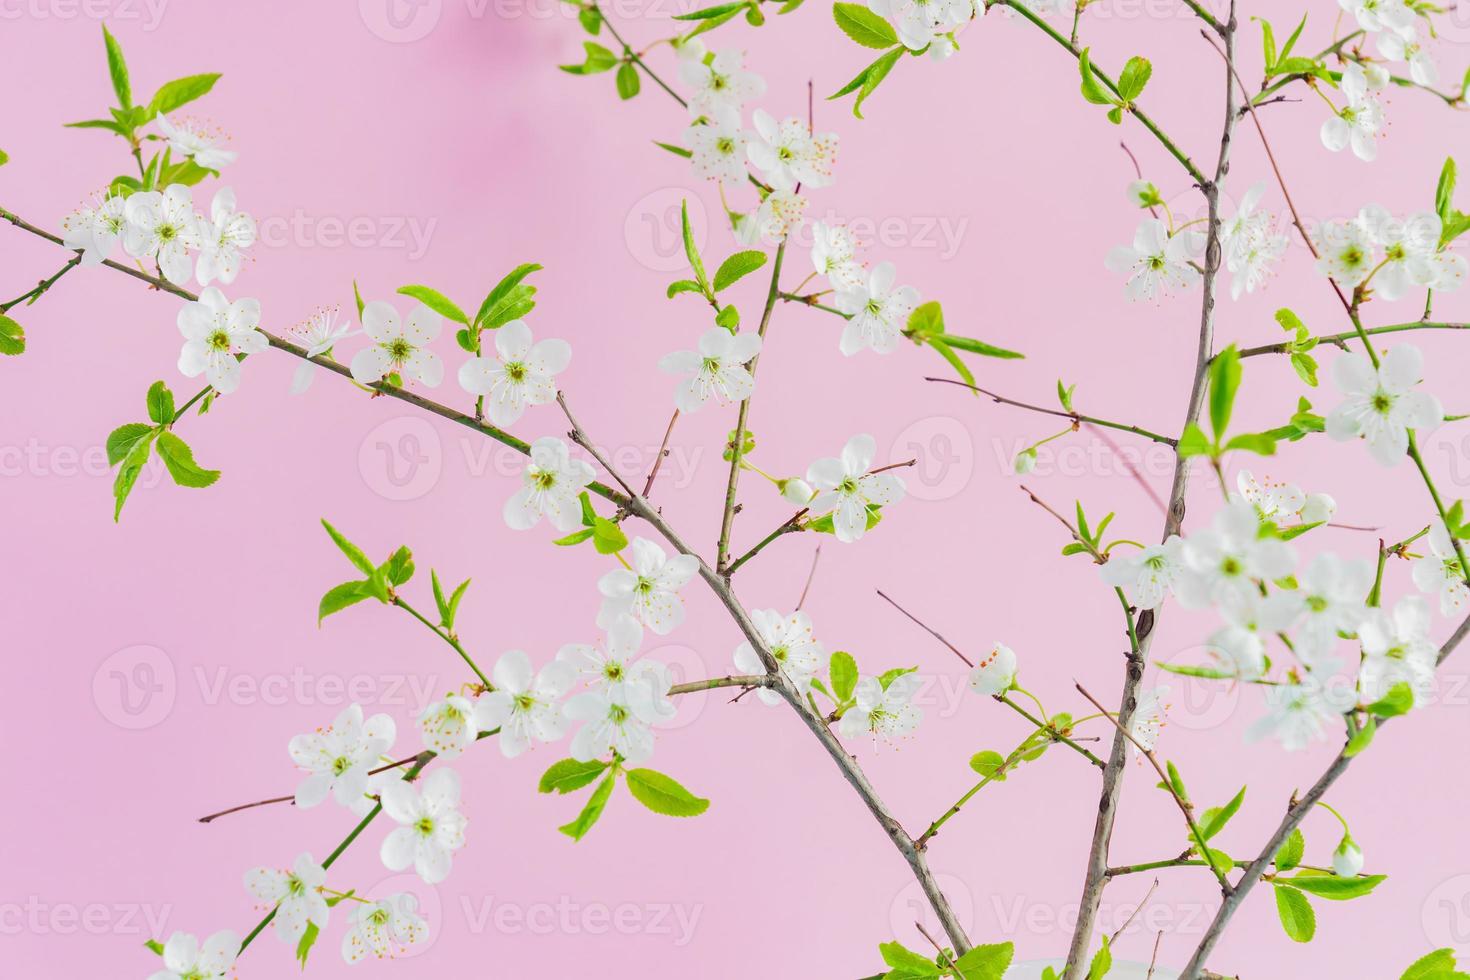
pixel 157 668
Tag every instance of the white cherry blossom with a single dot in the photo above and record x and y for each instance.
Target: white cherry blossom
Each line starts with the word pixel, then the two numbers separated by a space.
pixel 1359 122
pixel 717 370
pixel 877 311
pixel 163 226
pixel 398 345
pixel 1226 559
pixel 834 256
pixel 717 147
pixel 920 23
pixel 1348 252
pixel 1404 45
pixel 1240 645
pixel 518 374
pixel 95 229
pixel 1375 15
pixel 339 756
pixel 1156 264
pixel 1251 244
pixel 383 929
pixel 1409 247
pixel 550 485
pixel 613 663
pixel 1147 576
pixel 649 590
pixel 885 713
pixel 450 726
pixel 720 82
pixel 215 331
pixel 789 154
pixel 1439 572
pixel 1382 404
pixel 779 214
pixel 193 139
pixel 1333 591
pixel 431 828
pixel 1397 650
pixel 222 237
pixel 846 489
pixel 295 894
pixel 525 705
pixel 614 720
pixel 1274 500
pixel 789 639
pixel 318 333
pixel 1301 712
pixel 996 674
pixel 1149 718
pixel 185 959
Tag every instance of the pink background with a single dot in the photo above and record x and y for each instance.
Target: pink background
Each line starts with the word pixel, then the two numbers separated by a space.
pixel 472 137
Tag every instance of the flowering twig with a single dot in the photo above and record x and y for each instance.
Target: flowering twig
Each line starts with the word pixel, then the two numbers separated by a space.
pixel 40 288
pixel 1340 339
pixel 663 450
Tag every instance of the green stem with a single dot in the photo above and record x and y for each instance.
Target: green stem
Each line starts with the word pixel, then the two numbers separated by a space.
pixel 1340 339
pixel 398 601
pixel 1050 730
pixel 811 301
pixel 1076 418
pixel 1020 7
pixel 737 445
pixel 792 524
pixel 41 287
pixel 630 53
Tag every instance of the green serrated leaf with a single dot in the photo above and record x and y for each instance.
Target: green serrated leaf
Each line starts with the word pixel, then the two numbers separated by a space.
pixel 180 92
pixel 121 440
pixel 664 794
pixel 353 552
pixel 160 403
pixel 1225 375
pixel 435 301
pixel 12 337
pixel 579 827
pixel 627 81
pixel 989 764
pixel 1296 914
pixel 127 474
pixel 179 459
pixel 117 67
pixel 843 671
pixel 988 962
pixel 1290 853
pixel 340 597
pixel 863 26
pixel 1215 818
pixel 737 266
pixel 569 775
pixel 1333 887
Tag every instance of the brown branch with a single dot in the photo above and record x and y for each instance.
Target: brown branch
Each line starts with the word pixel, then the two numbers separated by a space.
pixel 1075 418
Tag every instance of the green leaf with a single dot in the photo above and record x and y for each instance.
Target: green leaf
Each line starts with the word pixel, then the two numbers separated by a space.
pixel 121 440
pixel 1305 365
pixel 509 300
pixel 873 77
pixel 1444 191
pixel 1362 738
pixel 844 674
pixel 1135 76
pixel 1224 383
pixel 599 59
pixel 864 26
pixel 988 962
pixel 862 76
pixel 1215 818
pixel 1429 967
pixel 157 947
pixel 1268 42
pixel 683 286
pixel 1296 914
pixel 578 828
pixel 1102 962
pixel 903 959
pixel 737 266
pixel 1332 887
pixel 728 317
pixel 1289 855
pixel 353 552
pixel 4 158
pixel 117 67
pixel 961 368
pixel 824 525
pixel 179 459
pixel 726 12
pixel 399 567
pixel 926 320
pixel 575 538
pixel 1291 41
pixel 357 298
pixel 1092 90
pixel 1194 442
pixel 435 301
pixel 181 91
pixel 1189 670
pixel 440 603
pixel 1176 782
pixel 608 537
pixel 160 403
pixel 340 597
pixel 454 598
pixel 989 764
pixel 1398 701
pixel 663 794
pixel 1260 443
pixel 304 944
pixel 106 124
pixel 12 337
pixel 722 10
pixel 569 775
pixel 690 250
pixel 981 347
pixel 127 475
pixel 677 151
pixel 590 19
pixel 627 81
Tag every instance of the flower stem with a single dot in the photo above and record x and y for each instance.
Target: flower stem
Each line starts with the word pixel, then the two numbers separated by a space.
pixel 399 601
pixel 40 288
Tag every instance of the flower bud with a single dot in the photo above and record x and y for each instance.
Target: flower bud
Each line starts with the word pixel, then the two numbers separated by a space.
pixel 799 492
pixel 1144 194
pixel 1318 509
pixel 1347 860
pixel 1025 462
pixel 996 674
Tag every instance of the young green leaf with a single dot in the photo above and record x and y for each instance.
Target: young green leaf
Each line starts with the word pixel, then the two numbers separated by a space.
pixel 127 474
pixel 435 301
pixel 1224 383
pixel 340 597
pixel 864 26
pixel 1332 887
pixel 873 77
pixel 599 59
pixel 578 828
pixel 353 552
pixel 1362 738
pixel 989 764
pixel 1102 962
pixel 690 250
pixel 627 81
pixel 663 794
pixel 179 459
pixel 160 403
pixel 1438 965
pixel 1135 76
pixel 988 962
pixel 117 67
pixel 677 151
pixel 722 10
pixel 1092 89
pixel 1398 700
pixel 728 317
pixel 12 337
pixel 737 266
pixel 180 92
pixel 569 775
pixel 121 440
pixel 608 537
pixel 307 940
pixel 1289 855
pixel 1296 914
pixel 844 674
pixel 1215 818
pixel 961 368
pixel 981 347
pixel 905 962
pixel 454 598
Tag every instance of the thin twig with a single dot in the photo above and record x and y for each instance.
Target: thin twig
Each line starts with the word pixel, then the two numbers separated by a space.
pixel 810 577
pixel 1074 417
pixel 663 450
